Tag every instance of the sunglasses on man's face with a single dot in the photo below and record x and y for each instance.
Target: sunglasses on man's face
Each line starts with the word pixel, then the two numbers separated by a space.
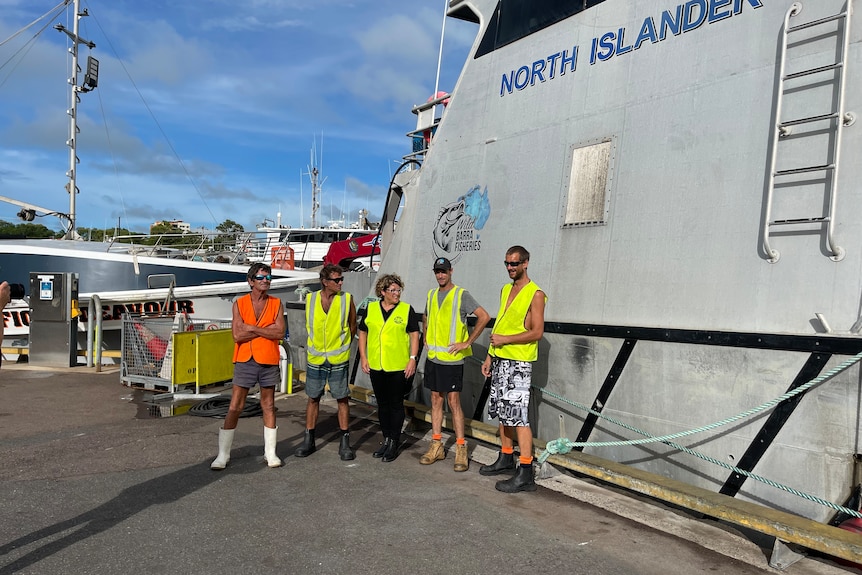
pixel 336 280
pixel 266 277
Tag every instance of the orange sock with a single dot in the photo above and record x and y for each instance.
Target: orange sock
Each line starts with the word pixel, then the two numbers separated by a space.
pixel 508 450
pixel 461 441
pixel 525 460
pixel 436 436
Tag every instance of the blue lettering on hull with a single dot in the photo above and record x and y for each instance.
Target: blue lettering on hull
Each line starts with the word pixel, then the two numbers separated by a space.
pixel 685 17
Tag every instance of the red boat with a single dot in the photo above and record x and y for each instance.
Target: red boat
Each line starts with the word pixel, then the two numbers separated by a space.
pixel 344 252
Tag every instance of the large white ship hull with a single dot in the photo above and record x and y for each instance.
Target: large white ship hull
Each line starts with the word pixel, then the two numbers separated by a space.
pixel 664 311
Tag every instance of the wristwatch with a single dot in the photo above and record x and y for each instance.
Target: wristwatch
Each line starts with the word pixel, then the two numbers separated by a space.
pixel 412 357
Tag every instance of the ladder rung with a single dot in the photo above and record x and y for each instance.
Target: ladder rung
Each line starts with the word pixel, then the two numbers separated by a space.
pixel 808 120
pixel 791 221
pixel 804 170
pixel 826 68
pixel 816 22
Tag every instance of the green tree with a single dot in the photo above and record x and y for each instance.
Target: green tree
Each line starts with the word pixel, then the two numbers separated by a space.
pixel 228 230
pixel 26 230
pixel 229 227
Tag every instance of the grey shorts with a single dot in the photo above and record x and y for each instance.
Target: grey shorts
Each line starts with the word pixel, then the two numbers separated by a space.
pixel 509 400
pixel 444 377
pixel 317 376
pixel 248 373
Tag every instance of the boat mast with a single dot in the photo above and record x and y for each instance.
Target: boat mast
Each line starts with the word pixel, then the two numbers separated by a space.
pixel 90 82
pixel 316 183
pixel 315 195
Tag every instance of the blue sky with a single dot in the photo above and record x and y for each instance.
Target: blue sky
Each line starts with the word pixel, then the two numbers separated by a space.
pixel 238 90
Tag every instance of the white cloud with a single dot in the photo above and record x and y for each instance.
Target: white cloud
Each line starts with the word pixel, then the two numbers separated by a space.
pixel 237 90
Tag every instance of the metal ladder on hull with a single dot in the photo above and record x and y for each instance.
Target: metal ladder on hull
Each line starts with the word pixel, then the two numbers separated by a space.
pixel 838 117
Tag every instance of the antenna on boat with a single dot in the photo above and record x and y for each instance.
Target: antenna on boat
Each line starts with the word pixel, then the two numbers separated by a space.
pixel 313 173
pixel 91 80
pixel 440 56
pixel 316 183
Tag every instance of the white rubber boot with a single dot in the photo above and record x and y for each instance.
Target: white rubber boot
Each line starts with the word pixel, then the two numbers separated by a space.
pixel 269 439
pixel 225 440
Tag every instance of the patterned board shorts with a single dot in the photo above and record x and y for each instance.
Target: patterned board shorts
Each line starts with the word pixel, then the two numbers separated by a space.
pixel 509 400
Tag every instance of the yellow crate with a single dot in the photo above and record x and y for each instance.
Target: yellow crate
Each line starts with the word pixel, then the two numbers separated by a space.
pixel 202 357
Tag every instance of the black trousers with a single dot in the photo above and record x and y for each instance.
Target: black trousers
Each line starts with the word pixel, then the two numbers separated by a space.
pixel 389 387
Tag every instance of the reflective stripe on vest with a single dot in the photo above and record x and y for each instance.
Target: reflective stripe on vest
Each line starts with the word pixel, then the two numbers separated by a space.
pixel 445 326
pixel 388 341
pixel 328 333
pixel 263 350
pixel 510 321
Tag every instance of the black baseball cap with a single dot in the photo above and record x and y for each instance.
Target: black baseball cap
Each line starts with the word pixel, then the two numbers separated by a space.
pixel 442 264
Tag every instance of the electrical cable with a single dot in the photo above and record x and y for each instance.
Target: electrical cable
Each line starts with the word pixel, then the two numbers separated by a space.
pixel 219 406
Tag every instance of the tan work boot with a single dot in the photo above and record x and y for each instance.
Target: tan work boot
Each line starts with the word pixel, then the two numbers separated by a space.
pixel 461 461
pixel 435 453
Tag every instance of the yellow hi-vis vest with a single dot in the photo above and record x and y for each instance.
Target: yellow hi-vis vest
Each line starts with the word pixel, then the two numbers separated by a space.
pixel 510 321
pixel 388 341
pixel 445 326
pixel 328 333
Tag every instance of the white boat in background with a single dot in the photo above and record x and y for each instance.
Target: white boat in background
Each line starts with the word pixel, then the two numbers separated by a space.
pixel 212 302
pixel 675 169
pixel 104 267
pixel 300 248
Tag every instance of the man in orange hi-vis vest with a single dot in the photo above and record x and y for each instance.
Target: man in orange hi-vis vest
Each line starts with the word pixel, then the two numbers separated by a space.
pixel 258 326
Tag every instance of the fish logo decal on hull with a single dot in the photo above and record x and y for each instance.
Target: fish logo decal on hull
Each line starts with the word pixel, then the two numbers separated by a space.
pixel 458 223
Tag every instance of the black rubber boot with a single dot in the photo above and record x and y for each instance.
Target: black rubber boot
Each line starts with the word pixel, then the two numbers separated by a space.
pixel 382 449
pixel 391 450
pixel 307 447
pixel 505 464
pixel 522 481
pixel 344 450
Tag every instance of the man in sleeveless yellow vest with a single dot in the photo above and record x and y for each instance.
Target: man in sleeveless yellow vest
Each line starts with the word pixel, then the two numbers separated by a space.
pixel 514 347
pixel 258 326
pixel 448 343
pixel 330 320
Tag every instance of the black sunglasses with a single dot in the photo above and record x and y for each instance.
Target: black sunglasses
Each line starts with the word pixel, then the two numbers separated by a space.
pixel 336 280
pixel 512 264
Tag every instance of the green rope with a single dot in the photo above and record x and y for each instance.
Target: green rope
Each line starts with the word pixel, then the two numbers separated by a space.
pixel 564 445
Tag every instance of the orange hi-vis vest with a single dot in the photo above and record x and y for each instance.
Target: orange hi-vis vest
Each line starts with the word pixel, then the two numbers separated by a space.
pixel 263 350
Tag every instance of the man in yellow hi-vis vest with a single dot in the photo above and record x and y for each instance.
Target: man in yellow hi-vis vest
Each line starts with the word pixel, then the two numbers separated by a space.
pixel 448 343
pixel 330 319
pixel 514 347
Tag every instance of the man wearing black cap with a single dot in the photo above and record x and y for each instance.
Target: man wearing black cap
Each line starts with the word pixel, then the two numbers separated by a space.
pixel 448 343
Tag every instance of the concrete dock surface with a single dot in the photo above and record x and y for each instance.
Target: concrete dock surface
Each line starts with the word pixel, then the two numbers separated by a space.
pixel 92 481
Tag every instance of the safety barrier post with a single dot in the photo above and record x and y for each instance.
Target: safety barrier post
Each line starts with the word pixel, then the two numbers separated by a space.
pixel 94 332
pixel 286 370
